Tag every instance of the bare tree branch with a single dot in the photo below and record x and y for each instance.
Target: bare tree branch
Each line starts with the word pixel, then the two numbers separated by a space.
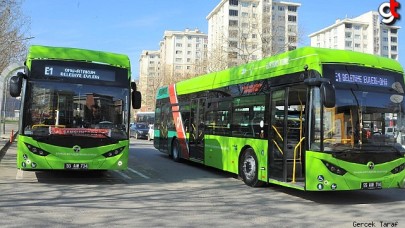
pixel 13 32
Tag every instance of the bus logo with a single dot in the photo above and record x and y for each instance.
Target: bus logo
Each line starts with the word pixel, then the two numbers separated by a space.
pixel 370 165
pixel 76 149
pixel 389 12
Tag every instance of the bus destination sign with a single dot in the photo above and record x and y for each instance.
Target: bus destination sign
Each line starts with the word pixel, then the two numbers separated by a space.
pixel 79 73
pixel 364 79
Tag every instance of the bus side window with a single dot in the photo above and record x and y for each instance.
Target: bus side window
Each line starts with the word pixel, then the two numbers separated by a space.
pixel 248 117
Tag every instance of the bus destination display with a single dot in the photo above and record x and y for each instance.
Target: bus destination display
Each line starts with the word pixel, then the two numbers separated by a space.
pixel 79 73
pixel 364 79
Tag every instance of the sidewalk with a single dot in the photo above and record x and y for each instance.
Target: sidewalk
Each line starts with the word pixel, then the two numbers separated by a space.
pixel 5 136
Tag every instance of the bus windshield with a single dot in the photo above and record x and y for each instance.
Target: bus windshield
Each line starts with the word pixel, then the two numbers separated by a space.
pixel 368 115
pixel 55 108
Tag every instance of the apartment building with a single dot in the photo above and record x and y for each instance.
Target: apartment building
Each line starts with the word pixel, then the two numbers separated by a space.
pixel 183 54
pixel 240 31
pixel 149 77
pixel 364 33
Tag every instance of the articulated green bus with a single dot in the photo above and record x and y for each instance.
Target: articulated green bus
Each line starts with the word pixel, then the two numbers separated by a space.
pixel 312 119
pixel 75 109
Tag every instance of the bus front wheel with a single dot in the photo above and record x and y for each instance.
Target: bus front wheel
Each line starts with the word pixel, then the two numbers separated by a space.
pixel 249 168
pixel 176 151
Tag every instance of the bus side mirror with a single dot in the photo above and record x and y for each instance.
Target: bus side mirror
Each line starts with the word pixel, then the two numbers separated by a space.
pixel 16 84
pixel 136 99
pixel 328 95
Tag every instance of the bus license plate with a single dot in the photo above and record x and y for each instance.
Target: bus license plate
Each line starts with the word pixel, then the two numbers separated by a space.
pixel 76 166
pixel 371 185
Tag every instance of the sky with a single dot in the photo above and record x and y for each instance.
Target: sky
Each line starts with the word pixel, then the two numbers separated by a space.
pixel 131 26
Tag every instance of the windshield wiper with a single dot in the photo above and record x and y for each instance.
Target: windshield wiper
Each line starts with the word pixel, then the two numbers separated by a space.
pixel 370 149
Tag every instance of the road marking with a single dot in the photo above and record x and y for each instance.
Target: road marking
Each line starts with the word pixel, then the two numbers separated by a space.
pixel 140 174
pixel 19 175
pixel 122 174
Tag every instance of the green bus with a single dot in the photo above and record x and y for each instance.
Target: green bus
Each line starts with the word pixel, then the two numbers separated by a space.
pixel 75 109
pixel 311 119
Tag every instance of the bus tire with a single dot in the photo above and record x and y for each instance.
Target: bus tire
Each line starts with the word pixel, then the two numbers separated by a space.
pixel 249 168
pixel 175 151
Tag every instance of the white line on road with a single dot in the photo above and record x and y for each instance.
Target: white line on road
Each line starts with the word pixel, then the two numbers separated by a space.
pixel 140 174
pixel 122 174
pixel 19 175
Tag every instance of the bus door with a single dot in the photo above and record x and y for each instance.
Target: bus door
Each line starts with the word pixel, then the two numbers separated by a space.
pixel 287 134
pixel 165 119
pixel 196 129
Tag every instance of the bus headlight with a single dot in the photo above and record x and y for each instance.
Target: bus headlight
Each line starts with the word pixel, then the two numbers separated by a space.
pixel 398 169
pixel 36 150
pixel 334 168
pixel 114 152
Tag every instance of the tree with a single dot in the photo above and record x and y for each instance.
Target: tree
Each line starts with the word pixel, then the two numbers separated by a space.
pixel 253 36
pixel 13 33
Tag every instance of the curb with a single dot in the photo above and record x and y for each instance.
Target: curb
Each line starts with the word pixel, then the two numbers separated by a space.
pixel 6 146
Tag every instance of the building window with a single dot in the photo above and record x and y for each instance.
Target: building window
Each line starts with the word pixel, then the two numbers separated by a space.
pixel 233 2
pixel 233 23
pixel 292 39
pixel 245 4
pixel 233 13
pixel 348 25
pixel 233 44
pixel 393 48
pixel 292 8
pixel 394 39
pixel 348 34
pixel 232 55
pixel 348 43
pixel 357 45
pixel 292 18
pixel 280 8
pixel 292 28
pixel 179 45
pixel 394 31
pixel 233 33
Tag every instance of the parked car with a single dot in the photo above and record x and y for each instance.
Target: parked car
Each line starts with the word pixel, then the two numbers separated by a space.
pixel 151 132
pixel 139 130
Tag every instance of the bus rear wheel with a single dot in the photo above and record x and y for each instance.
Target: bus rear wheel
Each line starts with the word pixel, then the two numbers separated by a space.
pixel 176 151
pixel 248 168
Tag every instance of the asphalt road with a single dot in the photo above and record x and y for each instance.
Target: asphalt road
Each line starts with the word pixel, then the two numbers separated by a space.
pixel 157 192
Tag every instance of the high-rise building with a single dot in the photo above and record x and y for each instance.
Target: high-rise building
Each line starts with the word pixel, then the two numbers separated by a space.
pixel 149 76
pixel 240 31
pixel 183 54
pixel 364 33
